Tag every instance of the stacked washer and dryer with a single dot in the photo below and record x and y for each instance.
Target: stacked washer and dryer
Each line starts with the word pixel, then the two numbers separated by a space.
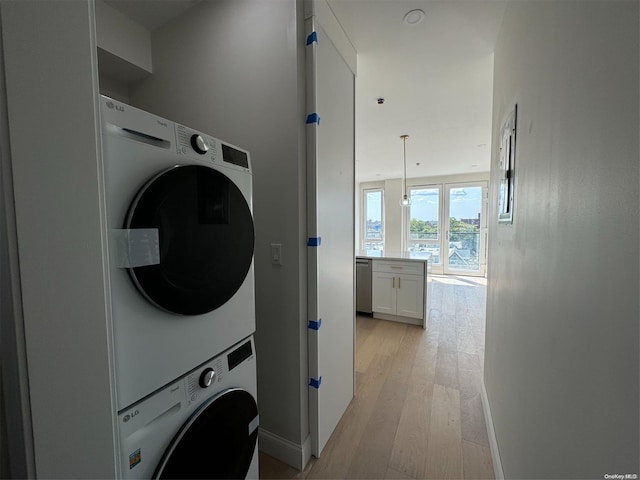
pixel 181 241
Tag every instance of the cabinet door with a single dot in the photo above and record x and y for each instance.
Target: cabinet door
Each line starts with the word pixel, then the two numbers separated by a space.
pixel 410 296
pixel 384 293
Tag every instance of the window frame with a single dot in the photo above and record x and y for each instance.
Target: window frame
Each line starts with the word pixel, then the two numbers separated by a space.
pixel 363 224
pixel 408 242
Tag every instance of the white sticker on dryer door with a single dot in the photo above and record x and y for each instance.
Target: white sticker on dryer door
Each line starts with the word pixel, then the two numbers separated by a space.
pixel 136 247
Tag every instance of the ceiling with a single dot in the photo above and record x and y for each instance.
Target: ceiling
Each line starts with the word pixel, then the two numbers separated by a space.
pixel 436 79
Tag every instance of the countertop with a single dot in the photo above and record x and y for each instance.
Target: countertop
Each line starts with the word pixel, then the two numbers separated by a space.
pixel 394 255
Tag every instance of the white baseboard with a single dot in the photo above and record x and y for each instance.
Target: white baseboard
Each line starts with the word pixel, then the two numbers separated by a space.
pixel 284 450
pixel 493 442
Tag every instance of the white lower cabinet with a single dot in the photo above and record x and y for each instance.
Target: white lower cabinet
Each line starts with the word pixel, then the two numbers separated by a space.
pixel 383 294
pixel 398 291
pixel 410 296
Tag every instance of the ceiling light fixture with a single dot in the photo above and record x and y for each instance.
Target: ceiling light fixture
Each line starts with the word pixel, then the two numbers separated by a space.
pixel 414 17
pixel 405 201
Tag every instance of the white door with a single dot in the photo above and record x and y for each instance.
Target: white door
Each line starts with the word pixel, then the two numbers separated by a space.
pixel 410 296
pixel 330 217
pixel 383 295
pixel 424 220
pixel 464 249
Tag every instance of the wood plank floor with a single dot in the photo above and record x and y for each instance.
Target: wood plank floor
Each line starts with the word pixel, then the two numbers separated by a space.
pixel 417 413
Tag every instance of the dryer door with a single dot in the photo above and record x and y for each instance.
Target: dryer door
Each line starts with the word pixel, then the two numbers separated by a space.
pixel 206 239
pixel 218 441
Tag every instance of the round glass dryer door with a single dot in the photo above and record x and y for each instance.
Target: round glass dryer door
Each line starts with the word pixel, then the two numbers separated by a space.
pixel 206 238
pixel 218 441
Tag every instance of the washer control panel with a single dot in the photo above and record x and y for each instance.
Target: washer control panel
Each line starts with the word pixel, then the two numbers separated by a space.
pixel 198 382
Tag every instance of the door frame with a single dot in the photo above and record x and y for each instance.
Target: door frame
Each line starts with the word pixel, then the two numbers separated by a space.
pixel 446 218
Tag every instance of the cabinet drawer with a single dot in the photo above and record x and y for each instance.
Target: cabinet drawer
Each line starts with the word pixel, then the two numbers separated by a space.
pixel 392 266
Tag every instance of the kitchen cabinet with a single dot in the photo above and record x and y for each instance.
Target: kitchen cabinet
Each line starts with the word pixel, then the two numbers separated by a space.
pixel 398 290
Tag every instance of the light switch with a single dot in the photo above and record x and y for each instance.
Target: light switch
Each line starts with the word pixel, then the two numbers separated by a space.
pixel 276 254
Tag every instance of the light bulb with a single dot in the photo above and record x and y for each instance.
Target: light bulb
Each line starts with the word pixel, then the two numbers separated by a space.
pixel 405 201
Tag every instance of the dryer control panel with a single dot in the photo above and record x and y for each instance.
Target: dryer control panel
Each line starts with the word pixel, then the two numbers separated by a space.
pixel 205 147
pixel 191 142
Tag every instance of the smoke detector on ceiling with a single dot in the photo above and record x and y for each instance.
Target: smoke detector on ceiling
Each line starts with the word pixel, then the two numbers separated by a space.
pixel 413 17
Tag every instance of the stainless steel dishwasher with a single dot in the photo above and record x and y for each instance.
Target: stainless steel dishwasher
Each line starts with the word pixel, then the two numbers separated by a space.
pixel 363 285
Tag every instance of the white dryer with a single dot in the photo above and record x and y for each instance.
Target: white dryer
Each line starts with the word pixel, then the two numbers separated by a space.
pixel 181 241
pixel 202 425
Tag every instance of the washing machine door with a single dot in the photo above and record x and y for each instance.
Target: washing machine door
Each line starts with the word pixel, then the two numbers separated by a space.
pixel 218 440
pixel 206 237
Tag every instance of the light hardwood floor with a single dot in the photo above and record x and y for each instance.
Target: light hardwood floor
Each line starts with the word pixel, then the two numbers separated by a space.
pixel 417 412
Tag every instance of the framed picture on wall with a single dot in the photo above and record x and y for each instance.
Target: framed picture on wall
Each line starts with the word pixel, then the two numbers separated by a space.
pixel 506 168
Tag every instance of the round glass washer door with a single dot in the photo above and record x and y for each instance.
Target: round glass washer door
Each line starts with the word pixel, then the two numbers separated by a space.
pixel 218 440
pixel 206 237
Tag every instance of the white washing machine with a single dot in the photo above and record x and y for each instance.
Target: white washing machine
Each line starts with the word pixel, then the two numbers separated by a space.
pixel 181 241
pixel 202 425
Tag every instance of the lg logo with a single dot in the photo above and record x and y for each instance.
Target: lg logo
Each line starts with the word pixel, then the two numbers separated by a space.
pixel 129 416
pixel 117 107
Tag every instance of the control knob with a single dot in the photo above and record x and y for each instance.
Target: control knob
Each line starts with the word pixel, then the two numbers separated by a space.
pixel 206 377
pixel 197 142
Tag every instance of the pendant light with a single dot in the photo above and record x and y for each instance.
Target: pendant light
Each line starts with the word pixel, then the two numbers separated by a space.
pixel 405 201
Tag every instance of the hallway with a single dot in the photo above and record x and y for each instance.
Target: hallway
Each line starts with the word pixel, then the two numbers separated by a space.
pixel 417 412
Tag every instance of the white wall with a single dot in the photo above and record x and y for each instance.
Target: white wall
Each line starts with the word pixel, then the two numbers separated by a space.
pixel 51 80
pixel 124 51
pixel 123 37
pixel 561 364
pixel 232 68
pixel 393 215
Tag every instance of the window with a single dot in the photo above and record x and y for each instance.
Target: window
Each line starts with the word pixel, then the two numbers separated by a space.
pixel 464 210
pixel 373 225
pixel 423 223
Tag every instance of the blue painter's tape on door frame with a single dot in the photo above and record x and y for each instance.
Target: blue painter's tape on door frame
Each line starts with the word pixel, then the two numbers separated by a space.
pixel 315 383
pixel 315 325
pixel 313 37
pixel 314 241
pixel 313 118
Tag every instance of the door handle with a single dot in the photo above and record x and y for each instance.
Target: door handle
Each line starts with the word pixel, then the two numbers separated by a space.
pixel 393 282
pixel 398 282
